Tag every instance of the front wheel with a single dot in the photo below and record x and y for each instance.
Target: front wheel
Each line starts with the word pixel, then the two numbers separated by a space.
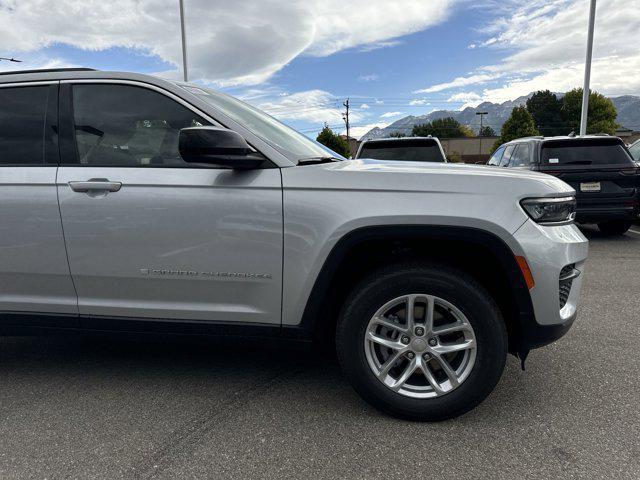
pixel 421 341
pixel 614 227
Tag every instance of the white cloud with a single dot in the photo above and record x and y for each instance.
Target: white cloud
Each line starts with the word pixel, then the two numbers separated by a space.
pixel 418 102
pixel 360 130
pixel 458 82
pixel 364 106
pixel 390 114
pixel 242 42
pixel 316 106
pixel 372 77
pixel 544 44
pixel 378 45
pixel 469 99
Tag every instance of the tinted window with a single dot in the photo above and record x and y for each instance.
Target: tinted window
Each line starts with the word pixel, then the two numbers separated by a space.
pixel 119 125
pixel 496 157
pixel 520 157
pixel 22 119
pixel 585 152
pixel 507 155
pixel 415 151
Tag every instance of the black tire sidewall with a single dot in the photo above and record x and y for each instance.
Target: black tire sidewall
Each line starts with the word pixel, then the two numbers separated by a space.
pixel 453 286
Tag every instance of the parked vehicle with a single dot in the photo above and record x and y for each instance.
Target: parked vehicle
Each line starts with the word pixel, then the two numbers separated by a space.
pixel 134 204
pixel 599 168
pixel 414 149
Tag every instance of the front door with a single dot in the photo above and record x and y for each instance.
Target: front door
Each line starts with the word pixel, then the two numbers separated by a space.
pixel 148 236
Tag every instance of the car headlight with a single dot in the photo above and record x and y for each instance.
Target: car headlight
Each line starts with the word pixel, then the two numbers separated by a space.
pixel 550 211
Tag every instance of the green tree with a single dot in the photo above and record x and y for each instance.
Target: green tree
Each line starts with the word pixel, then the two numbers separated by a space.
pixel 333 141
pixel 442 128
pixel 487 131
pixel 546 109
pixel 601 117
pixel 519 124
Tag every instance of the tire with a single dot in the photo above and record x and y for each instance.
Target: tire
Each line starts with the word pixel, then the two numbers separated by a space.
pixel 614 227
pixel 446 285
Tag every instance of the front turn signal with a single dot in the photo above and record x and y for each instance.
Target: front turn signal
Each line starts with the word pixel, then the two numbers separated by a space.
pixel 526 272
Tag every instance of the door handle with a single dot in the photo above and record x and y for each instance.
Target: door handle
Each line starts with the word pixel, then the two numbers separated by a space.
pixel 95 185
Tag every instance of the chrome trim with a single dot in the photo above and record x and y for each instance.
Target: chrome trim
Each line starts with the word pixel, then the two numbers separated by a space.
pixel 29 83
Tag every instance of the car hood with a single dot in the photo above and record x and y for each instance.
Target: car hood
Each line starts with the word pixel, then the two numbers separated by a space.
pixel 425 177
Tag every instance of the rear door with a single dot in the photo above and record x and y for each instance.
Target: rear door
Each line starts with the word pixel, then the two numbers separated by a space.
pixel 600 170
pixel 34 274
pixel 150 237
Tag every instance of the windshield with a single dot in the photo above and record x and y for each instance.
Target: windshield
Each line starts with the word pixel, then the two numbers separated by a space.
pixel 584 152
pixel 283 138
pixel 414 151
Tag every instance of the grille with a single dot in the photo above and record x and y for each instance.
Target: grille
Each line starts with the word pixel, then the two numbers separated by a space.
pixel 565 285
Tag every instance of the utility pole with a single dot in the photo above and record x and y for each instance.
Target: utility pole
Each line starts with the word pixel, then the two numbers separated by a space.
pixel 184 42
pixel 345 117
pixel 587 70
pixel 482 114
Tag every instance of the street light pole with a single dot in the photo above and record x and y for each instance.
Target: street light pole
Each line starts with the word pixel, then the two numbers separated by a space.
pixel 587 70
pixel 482 114
pixel 184 42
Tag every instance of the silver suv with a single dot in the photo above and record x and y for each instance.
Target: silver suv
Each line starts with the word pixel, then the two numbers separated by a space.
pixel 134 204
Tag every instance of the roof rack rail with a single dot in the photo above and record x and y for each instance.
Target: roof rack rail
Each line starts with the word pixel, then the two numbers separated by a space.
pixel 49 70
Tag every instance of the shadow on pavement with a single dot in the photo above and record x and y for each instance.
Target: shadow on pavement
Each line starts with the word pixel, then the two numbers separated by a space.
pixel 592 233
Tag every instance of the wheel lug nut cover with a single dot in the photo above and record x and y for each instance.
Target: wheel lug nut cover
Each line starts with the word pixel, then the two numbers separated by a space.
pixel 405 340
pixel 410 355
pixel 419 331
pixel 433 342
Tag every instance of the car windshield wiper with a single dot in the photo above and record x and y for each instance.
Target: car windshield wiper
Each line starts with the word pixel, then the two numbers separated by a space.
pixel 315 160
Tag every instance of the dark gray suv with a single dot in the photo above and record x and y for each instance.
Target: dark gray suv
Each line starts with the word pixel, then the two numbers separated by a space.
pixel 599 168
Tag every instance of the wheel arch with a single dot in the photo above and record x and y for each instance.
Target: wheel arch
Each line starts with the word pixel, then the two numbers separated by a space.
pixel 365 248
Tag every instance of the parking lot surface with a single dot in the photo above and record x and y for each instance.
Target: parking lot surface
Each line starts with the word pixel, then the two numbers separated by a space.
pixel 88 408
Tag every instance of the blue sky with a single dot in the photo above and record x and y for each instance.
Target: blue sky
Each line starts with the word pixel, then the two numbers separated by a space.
pixel 300 59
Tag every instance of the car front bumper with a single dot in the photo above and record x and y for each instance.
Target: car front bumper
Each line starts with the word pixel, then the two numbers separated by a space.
pixel 549 249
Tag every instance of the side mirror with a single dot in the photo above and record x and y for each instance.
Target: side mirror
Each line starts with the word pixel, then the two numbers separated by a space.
pixel 217 146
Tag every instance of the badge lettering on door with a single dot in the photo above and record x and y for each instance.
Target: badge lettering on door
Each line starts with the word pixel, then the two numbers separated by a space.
pixel 169 272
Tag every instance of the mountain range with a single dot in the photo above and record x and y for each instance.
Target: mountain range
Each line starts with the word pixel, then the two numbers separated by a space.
pixel 628 107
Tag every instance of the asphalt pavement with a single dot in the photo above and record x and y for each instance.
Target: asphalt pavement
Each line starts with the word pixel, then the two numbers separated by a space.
pixel 88 408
